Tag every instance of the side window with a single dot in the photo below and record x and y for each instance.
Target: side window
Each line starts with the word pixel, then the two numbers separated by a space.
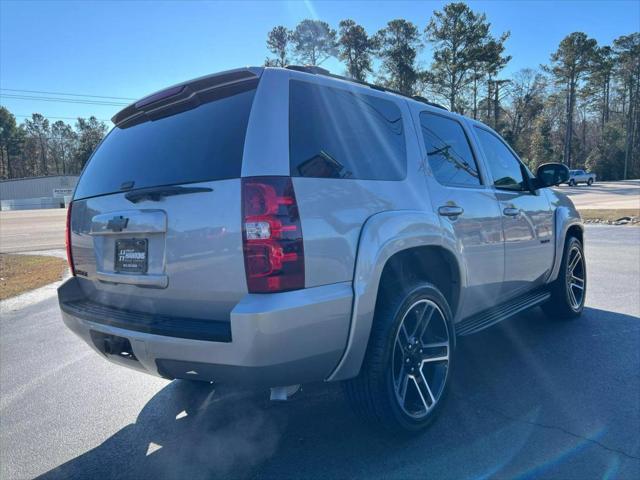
pixel 336 133
pixel 448 151
pixel 505 168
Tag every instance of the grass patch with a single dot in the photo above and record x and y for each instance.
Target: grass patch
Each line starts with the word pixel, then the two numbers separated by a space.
pixel 20 273
pixel 610 215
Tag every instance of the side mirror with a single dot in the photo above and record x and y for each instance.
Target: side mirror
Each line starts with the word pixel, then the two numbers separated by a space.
pixel 550 174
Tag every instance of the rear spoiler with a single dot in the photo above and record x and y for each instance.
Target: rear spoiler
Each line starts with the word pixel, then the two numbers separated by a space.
pixel 188 95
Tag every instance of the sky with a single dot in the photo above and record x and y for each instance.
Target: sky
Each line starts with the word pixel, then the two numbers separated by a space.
pixel 131 49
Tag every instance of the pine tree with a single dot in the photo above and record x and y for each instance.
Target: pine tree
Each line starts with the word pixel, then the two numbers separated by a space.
pixel 399 43
pixel 278 42
pixel 355 48
pixel 464 52
pixel 313 42
pixel 568 66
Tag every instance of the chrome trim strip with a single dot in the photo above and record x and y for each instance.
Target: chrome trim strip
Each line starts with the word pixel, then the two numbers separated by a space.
pixel 146 280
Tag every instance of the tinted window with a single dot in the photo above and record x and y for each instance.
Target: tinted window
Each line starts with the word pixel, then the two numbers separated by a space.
pixel 505 167
pixel 448 151
pixel 204 143
pixel 336 133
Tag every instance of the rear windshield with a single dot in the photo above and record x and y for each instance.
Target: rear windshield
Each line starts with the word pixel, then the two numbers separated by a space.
pixel 201 144
pixel 336 133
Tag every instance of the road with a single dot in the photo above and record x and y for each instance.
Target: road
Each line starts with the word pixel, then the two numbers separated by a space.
pixel 530 398
pixel 31 230
pixel 605 195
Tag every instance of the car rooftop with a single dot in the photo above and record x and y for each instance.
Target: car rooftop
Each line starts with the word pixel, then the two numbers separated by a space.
pixel 183 91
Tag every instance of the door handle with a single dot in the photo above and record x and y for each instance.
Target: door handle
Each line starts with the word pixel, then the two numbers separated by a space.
pixel 511 211
pixel 450 210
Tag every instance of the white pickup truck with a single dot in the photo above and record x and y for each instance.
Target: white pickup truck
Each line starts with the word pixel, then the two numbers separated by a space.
pixel 580 176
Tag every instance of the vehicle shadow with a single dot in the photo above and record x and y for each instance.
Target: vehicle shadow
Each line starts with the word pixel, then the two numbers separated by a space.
pixel 517 389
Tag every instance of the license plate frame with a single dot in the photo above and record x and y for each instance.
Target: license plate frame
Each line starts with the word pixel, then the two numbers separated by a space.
pixel 131 256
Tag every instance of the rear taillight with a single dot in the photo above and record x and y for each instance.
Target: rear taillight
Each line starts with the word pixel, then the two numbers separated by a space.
pixel 272 235
pixel 68 241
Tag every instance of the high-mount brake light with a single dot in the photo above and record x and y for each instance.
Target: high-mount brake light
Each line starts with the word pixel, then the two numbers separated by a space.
pixel 68 241
pixel 272 235
pixel 162 95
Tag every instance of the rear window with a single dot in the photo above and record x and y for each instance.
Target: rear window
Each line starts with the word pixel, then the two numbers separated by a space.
pixel 201 144
pixel 336 133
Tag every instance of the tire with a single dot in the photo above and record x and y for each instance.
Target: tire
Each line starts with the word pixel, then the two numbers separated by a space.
pixel 590 182
pixel 377 393
pixel 572 183
pixel 568 292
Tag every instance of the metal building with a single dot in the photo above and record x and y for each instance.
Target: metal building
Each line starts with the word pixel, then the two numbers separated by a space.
pixel 36 192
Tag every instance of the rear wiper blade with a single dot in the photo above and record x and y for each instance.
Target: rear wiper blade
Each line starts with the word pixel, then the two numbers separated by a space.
pixel 157 193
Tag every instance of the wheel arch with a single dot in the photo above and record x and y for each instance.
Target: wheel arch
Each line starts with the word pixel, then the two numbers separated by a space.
pixel 432 263
pixel 575 230
pixel 391 240
pixel 567 222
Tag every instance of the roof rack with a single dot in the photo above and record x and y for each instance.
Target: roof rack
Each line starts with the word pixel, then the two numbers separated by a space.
pixel 309 69
pixel 315 70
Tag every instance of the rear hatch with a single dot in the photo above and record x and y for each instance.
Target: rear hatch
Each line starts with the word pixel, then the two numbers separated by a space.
pixel 156 220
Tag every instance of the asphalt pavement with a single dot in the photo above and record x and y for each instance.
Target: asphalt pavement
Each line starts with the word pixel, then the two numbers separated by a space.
pixel 30 230
pixel 530 397
pixel 605 195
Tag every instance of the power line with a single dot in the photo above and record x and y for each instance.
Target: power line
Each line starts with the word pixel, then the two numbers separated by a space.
pixel 56 118
pixel 64 100
pixel 66 94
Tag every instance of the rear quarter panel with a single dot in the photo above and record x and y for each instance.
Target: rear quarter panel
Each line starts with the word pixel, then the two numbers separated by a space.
pixel 332 211
pixel 384 235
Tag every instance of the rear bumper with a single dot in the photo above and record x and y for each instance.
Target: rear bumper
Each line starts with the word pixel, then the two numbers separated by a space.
pixel 271 339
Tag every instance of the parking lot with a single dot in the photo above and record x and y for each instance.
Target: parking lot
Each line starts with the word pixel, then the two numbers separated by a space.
pixel 530 398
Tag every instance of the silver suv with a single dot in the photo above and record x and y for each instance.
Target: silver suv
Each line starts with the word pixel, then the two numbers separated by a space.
pixel 271 227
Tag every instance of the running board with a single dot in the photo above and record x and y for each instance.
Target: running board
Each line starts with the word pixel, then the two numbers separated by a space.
pixel 494 315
